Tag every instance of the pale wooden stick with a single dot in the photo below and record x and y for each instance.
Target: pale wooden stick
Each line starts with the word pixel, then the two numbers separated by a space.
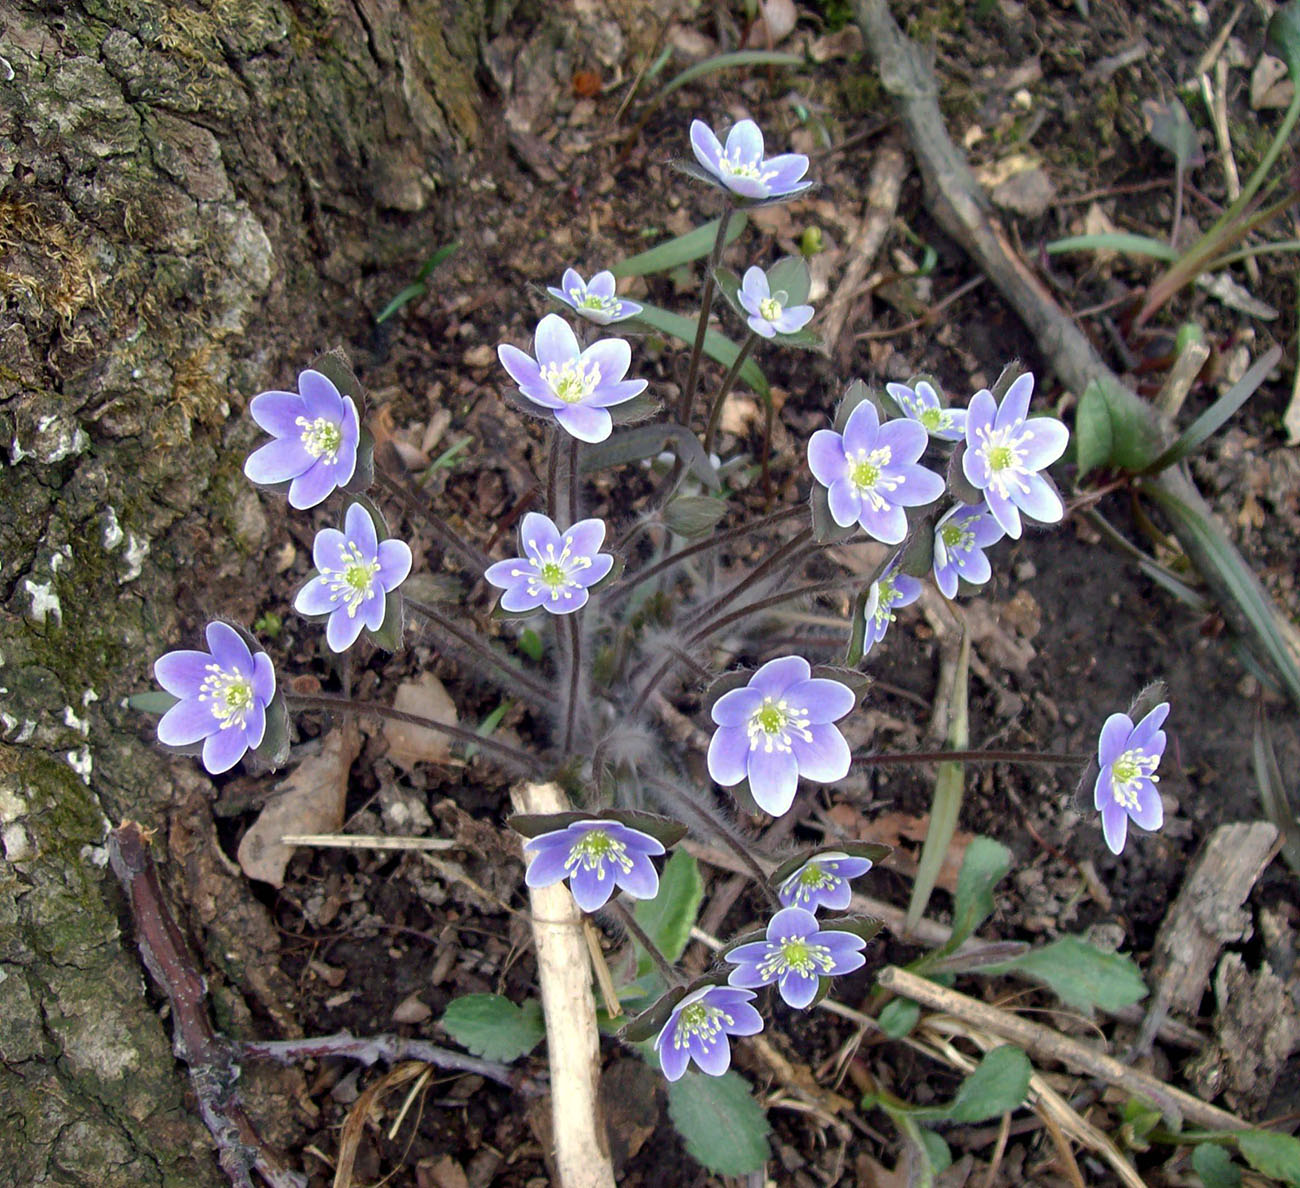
pixel 367 841
pixel 1045 1044
pixel 572 1042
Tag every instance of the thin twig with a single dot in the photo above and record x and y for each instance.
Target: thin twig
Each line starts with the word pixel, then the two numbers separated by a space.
pixel 629 921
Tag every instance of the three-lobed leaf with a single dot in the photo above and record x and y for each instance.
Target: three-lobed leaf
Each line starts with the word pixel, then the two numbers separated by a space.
pixel 723 1126
pixel 493 1027
pixel 1081 975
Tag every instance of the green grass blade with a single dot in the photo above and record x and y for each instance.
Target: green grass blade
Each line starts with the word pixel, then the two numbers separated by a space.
pixel 404 294
pixel 1114 241
pixel 1273 794
pixel 718 348
pixel 726 62
pixel 1239 582
pixel 1213 418
pixel 673 253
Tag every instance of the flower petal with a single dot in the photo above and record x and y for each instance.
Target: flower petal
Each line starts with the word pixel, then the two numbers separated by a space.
pixel 1040 501
pixel 728 755
pixel 1150 811
pixel 773 779
pixel 315 598
pixel 278 461
pixel 906 440
pixel 1114 826
pixel 823 700
pixel 518 600
pixel 785 170
pixel 311 487
pixel 554 342
pixel 602 284
pixel 185 723
pixel 508 573
pixel 776 676
pixel 548 854
pixel 320 396
pixel 672 1060
pixel 706 147
pixel 1114 739
pixel 979 418
pixel 228 648
pixel 395 561
pixel 1003 511
pixel 755 286
pixel 591 886
pixel 342 630
pixel 745 142
pixel 585 423
pixel 826 758
pixel 1043 440
pixel 791 922
pixel 601 564
pixel 359 528
pixel 585 538
pixel 826 457
pixel 844 502
pixel 861 428
pixel 733 708
pixel 539 535
pixel 182 673
pixel 613 356
pixel 642 881
pixel 887 524
pixel 1145 732
pixel 223 749
pixel 255 724
pixel 920 487
pixel 798 989
pixel 278 412
pixel 263 678
pixel 1015 404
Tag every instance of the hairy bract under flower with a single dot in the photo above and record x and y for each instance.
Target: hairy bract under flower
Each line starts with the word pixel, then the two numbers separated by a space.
pixel 922 405
pixel 1126 784
pixel 355 573
pixel 578 386
pixel 698 1027
pixel 769 313
pixel 740 166
pixel 595 856
pixel 223 695
pixel 1005 452
pixel 594 300
pixel 870 472
pixel 777 728
pixel 960 539
pixel 316 432
pixel 823 882
pixel 796 955
pixel 557 569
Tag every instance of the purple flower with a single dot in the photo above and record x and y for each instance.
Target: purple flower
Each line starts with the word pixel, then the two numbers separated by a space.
pixel 223 695
pixel 1126 784
pixel 921 404
pixel 355 574
pixel 595 300
pixel 960 539
pixel 595 856
pixel 823 882
pixel 316 432
pixel 892 589
pixel 796 956
pixel 578 386
pixel 870 473
pixel 698 1028
pixel 741 168
pixel 777 728
pixel 1004 453
pixel 768 313
pixel 558 569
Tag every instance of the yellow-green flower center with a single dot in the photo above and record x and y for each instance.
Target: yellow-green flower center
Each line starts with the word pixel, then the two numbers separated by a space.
pixel 932 419
pixel 228 694
pixel 321 438
pixel 594 849
pixel 769 309
pixel 956 536
pixel 1000 457
pixel 772 725
pixel 1126 773
pixel 353 582
pixel 703 1020
pixel 866 471
pixel 794 953
pixel 572 381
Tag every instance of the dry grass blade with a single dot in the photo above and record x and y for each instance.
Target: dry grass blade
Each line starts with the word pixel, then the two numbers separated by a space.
pixel 354 1125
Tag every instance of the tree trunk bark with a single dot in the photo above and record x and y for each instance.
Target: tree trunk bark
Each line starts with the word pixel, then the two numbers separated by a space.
pixel 188 193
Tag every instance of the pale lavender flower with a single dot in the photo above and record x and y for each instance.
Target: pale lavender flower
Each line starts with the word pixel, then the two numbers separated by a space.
pixel 356 572
pixel 741 167
pixel 796 955
pixel 921 404
pixel 698 1027
pixel 316 431
pixel 594 300
pixel 223 695
pixel 1126 784
pixel 557 570
pixel 769 315
pixel 960 539
pixel 577 385
pixel 777 728
pixel 870 473
pixel 595 856
pixel 823 882
pixel 888 592
pixel 1005 452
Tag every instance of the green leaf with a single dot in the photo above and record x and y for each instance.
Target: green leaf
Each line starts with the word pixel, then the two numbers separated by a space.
pixel 530 643
pixel 899 1017
pixel 936 1150
pixel 694 515
pixel 725 62
pixel 442 255
pixel 723 1126
pixel 791 273
pixel 683 249
pixel 156 701
pixel 493 1027
pixel 1242 584
pixel 1213 418
pixel 1172 129
pixel 985 863
pixel 1093 441
pixel 1276 1155
pixel 719 349
pixel 640 442
pixel 1215 1167
pixel 1134 438
pixel 1115 241
pixel 1081 975
pixel 1273 794
pixel 405 295
pixel 1284 39
pixel 670 915
pixel 996 1087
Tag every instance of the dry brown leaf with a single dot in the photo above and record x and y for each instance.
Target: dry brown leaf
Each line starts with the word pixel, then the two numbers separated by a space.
pixel 309 800
pixel 906 831
pixel 409 745
pixel 774 25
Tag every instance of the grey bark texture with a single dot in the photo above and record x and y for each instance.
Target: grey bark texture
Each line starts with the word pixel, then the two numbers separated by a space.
pixel 188 196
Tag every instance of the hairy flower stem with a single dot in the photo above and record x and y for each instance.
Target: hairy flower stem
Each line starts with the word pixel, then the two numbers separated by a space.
pixel 629 921
pixel 574 660
pixel 722 829
pixel 509 676
pixel 553 476
pixel 732 535
pixel 809 591
pixel 575 481
pixel 451 540
pixel 715 409
pixel 786 552
pixel 517 759
pixel 903 758
pixel 687 405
